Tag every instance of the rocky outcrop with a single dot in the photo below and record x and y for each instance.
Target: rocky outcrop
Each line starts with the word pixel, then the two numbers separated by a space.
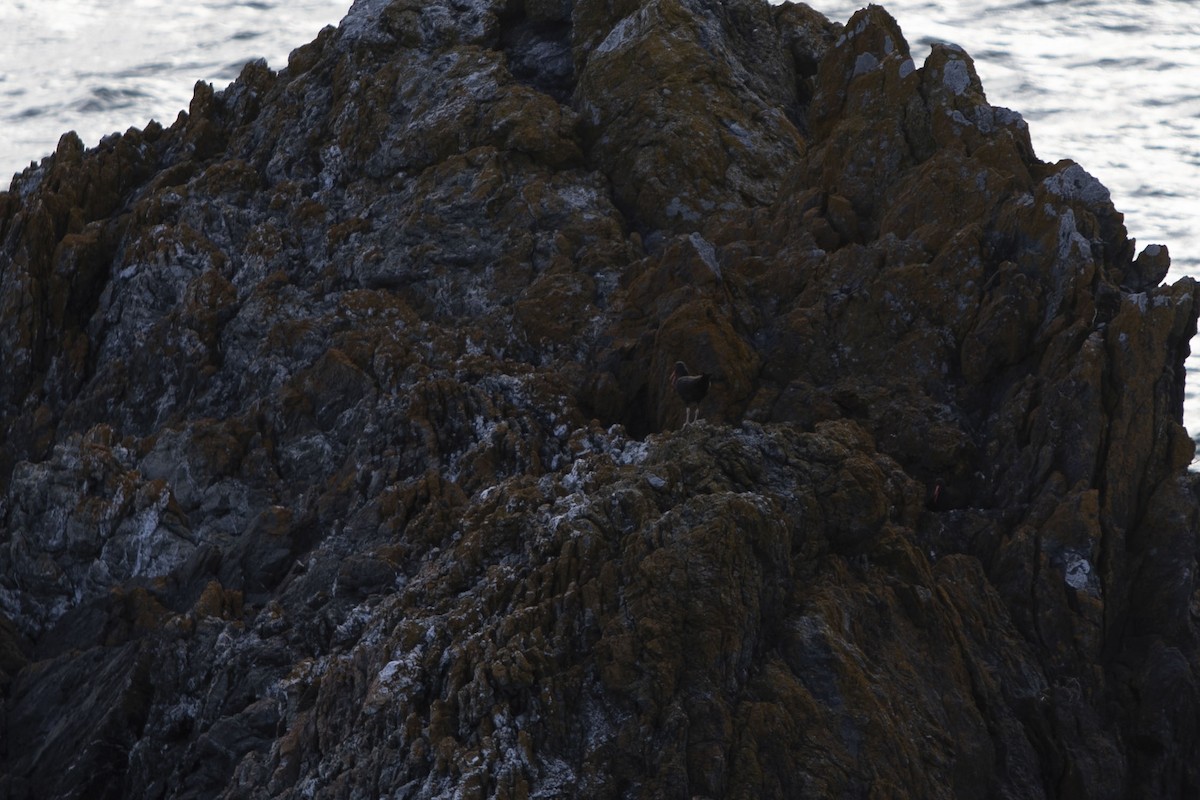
pixel 339 457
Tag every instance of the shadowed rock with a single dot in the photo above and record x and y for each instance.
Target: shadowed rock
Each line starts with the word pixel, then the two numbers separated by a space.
pixel 339 459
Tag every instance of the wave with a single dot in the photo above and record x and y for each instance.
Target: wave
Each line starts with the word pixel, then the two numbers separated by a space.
pixel 104 98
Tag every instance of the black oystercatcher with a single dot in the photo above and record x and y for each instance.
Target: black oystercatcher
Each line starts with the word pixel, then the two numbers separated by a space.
pixel 691 388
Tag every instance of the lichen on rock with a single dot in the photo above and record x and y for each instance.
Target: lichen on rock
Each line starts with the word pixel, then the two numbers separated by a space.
pixel 340 455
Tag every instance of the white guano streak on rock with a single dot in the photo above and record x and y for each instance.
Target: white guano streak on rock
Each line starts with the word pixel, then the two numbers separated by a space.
pixel 1009 118
pixel 707 253
pixel 1078 572
pixel 864 64
pixel 677 208
pixel 1069 237
pixel 1076 183
pixel 956 77
pixel 622 33
pixel 362 21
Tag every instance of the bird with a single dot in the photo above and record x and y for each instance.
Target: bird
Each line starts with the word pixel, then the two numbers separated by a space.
pixel 691 389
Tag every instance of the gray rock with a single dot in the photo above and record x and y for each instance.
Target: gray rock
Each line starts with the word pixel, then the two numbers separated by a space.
pixel 339 456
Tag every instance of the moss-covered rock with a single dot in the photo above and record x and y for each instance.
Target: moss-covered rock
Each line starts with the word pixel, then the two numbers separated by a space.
pixel 339 456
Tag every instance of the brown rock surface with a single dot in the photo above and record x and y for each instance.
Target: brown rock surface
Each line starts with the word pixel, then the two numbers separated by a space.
pixel 339 458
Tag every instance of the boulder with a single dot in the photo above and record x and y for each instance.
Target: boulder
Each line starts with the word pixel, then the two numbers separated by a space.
pixel 338 455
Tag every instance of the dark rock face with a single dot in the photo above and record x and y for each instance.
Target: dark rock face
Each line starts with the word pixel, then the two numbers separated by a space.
pixel 339 457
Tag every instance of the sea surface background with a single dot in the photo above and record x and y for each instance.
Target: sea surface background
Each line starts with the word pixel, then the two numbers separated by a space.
pixel 1111 84
pixel 102 66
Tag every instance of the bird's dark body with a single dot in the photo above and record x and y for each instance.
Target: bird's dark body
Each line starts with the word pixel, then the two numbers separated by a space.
pixel 691 389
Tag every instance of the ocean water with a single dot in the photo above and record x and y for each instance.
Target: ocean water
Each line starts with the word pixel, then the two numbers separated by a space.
pixel 99 66
pixel 1112 84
